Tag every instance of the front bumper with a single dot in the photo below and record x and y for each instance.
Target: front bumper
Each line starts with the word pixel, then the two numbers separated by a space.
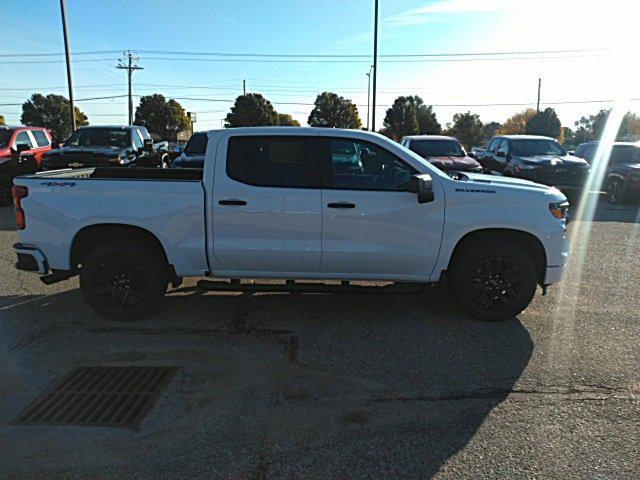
pixel 30 259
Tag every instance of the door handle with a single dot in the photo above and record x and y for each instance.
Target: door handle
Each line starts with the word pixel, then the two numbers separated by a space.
pixel 232 201
pixel 341 205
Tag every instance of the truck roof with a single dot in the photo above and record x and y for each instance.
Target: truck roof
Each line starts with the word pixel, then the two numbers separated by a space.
pixel 122 127
pixel 284 130
pixel 429 137
pixel 525 137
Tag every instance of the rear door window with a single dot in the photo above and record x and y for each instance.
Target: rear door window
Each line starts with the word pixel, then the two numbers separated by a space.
pixel 277 161
pixel 41 138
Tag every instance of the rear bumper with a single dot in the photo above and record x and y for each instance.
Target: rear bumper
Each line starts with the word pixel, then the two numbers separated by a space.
pixel 30 259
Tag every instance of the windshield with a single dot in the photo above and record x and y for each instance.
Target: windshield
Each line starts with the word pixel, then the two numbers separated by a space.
pixel 99 137
pixel 197 145
pixel 624 154
pixel 437 148
pixel 531 147
pixel 5 136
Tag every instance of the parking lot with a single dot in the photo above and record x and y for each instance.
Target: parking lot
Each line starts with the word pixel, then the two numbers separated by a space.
pixel 342 385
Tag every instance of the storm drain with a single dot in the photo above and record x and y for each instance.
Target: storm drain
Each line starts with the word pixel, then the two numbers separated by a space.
pixel 99 396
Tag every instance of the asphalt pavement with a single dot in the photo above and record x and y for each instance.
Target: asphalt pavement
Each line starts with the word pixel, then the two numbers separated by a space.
pixel 343 385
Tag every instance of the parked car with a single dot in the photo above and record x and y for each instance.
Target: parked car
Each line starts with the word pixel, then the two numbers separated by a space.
pixel 192 155
pixel 536 158
pixel 21 151
pixel 587 151
pixel 270 202
pixel 446 153
pixel 108 146
pixel 622 178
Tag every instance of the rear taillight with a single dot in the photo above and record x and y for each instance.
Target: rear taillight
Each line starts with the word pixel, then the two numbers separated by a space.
pixel 18 194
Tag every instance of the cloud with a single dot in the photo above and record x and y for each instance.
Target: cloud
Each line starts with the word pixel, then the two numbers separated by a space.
pixel 429 12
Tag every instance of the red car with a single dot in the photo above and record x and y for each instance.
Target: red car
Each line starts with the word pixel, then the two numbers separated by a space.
pixel 446 153
pixel 21 151
pixel 36 139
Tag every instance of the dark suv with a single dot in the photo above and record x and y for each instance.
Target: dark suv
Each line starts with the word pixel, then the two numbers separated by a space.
pixel 536 158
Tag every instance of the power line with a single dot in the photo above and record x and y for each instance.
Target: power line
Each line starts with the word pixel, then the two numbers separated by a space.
pixel 323 55
pixel 129 64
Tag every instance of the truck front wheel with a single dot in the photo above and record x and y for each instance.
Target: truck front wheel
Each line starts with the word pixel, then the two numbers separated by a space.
pixel 494 281
pixel 123 282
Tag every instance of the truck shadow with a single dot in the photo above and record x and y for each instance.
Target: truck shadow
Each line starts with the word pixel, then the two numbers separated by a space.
pixel 421 378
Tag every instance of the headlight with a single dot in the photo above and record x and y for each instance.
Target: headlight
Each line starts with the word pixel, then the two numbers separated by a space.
pixel 559 210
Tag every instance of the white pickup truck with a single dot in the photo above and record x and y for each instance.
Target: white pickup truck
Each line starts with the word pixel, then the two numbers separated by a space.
pixel 292 203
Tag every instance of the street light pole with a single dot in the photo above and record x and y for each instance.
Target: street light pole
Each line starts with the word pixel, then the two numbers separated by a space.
pixel 68 58
pixel 368 93
pixel 129 65
pixel 375 66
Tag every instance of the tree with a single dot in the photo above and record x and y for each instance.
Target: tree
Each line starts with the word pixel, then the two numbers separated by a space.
pixel 591 127
pixel 51 112
pixel 517 124
pixel 544 123
pixel 427 121
pixel 630 127
pixel 286 120
pixel 2 122
pixel 251 110
pixel 332 111
pixel 163 117
pixel 489 130
pixel 467 128
pixel 567 136
pixel 401 119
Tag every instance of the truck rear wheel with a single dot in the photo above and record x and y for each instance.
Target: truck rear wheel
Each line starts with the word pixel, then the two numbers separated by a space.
pixel 123 282
pixel 494 281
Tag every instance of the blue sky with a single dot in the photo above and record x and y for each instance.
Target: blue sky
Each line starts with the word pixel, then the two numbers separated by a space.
pixel 330 27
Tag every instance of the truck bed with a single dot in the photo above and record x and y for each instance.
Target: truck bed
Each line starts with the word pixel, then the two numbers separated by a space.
pixel 104 173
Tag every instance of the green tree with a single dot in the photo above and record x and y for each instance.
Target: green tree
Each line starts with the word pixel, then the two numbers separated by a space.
pixel 467 128
pixel 51 112
pixel 567 137
pixel 401 119
pixel 591 127
pixel 333 111
pixel 427 121
pixel 630 127
pixel 489 130
pixel 516 124
pixel 161 116
pixel 2 122
pixel 251 110
pixel 544 123
pixel 286 120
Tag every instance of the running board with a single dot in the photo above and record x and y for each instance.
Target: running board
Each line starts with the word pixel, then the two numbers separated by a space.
pixel 58 276
pixel 308 287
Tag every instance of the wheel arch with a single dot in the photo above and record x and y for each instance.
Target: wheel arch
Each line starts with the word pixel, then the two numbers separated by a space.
pixel 92 235
pixel 528 242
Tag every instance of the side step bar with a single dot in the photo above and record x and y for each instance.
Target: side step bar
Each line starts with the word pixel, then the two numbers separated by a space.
pixel 308 287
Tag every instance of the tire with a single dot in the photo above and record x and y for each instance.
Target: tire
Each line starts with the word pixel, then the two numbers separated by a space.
pixel 493 280
pixel 615 191
pixel 123 282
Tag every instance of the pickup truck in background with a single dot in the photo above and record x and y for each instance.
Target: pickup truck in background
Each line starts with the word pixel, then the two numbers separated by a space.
pixel 446 153
pixel 536 158
pixel 108 146
pixel 276 202
pixel 21 151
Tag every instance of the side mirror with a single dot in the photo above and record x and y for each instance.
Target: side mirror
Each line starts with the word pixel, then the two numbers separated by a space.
pixel 148 145
pixel 55 145
pixel 177 149
pixel 422 185
pixel 22 148
pixel 500 154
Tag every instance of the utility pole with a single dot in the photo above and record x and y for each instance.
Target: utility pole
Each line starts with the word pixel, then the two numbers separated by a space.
pixel 68 58
pixel 375 66
pixel 539 85
pixel 129 64
pixel 368 93
pixel 244 87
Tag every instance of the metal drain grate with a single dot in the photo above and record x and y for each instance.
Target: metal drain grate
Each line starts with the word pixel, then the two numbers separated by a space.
pixel 99 396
